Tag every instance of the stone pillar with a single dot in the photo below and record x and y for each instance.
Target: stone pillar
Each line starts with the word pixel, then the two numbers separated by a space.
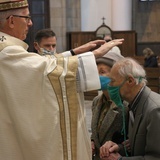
pixel 73 15
pixel 121 15
pixel 58 22
pixel 64 17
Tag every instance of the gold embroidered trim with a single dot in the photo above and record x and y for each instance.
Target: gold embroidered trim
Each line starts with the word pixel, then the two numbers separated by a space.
pixel 13 5
pixel 72 102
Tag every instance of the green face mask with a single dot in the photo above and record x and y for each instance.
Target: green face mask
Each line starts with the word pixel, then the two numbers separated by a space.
pixel 114 93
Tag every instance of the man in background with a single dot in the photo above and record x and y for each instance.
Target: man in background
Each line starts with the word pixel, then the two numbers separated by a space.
pixel 45 42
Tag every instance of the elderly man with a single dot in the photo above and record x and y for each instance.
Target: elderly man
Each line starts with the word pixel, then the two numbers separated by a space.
pixel 41 98
pixel 128 83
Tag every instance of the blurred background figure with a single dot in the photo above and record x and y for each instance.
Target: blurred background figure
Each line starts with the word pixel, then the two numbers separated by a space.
pixel 115 49
pixel 150 59
pixel 45 42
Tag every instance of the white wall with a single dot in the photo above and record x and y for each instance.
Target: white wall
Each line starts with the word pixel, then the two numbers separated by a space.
pixel 121 14
pixel 117 13
pixel 92 12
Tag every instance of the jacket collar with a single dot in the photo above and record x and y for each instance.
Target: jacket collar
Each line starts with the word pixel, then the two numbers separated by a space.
pixel 138 116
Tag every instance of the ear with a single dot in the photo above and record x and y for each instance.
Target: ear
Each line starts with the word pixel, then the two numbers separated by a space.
pixel 11 21
pixel 36 46
pixel 131 81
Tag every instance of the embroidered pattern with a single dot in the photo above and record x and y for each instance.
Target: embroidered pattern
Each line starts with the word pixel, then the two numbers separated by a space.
pixel 13 5
pixel 2 38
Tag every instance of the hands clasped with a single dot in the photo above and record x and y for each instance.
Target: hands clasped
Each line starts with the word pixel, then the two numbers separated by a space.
pixel 109 151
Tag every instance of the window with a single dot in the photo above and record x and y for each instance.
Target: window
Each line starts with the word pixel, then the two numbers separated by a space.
pixel 39 10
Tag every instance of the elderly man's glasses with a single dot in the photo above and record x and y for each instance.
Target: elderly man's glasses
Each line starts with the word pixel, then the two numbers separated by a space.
pixel 28 18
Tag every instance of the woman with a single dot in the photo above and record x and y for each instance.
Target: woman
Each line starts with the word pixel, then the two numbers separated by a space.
pixel 107 118
pixel 150 59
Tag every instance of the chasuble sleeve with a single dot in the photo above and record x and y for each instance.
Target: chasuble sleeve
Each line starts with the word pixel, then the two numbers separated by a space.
pixel 87 76
pixel 66 54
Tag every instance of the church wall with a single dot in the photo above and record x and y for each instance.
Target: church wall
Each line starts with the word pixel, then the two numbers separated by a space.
pixel 146 22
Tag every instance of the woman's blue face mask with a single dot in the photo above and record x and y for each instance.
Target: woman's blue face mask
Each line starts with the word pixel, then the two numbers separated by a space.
pixel 104 82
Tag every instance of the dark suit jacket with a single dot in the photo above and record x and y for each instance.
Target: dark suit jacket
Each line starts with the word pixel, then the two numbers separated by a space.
pixel 144 134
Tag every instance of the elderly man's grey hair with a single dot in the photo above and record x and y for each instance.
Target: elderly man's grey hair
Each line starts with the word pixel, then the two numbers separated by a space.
pixel 5 14
pixel 130 67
